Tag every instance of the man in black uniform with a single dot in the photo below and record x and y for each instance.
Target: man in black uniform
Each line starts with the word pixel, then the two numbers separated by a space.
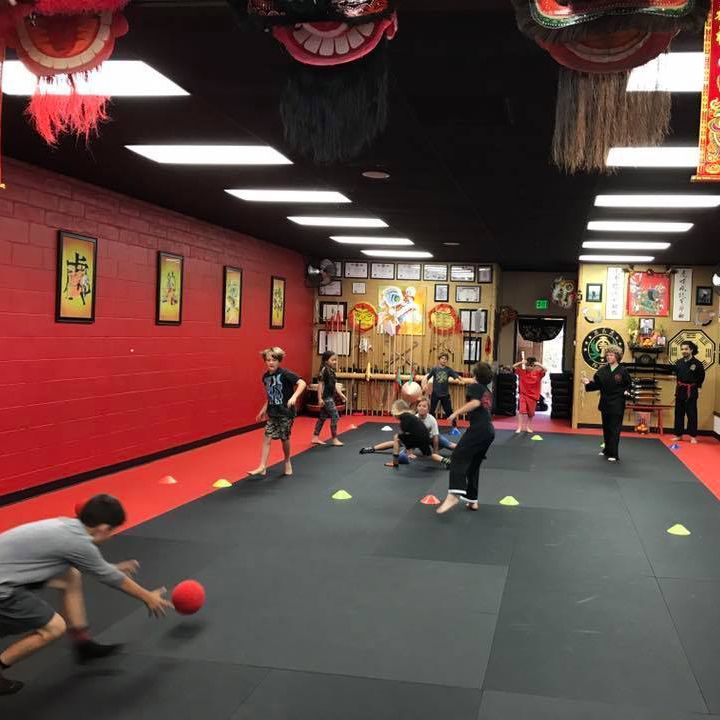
pixel 690 377
pixel 613 381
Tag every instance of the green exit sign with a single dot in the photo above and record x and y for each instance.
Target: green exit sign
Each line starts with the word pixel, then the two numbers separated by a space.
pixel 541 304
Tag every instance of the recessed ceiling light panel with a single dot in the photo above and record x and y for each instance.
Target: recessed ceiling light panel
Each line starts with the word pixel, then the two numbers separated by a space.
pixel 658 201
pixel 400 254
pixel 211 154
pixel 114 78
pixel 616 258
pixel 320 221
pixel 290 196
pixel 363 240
pixel 669 157
pixel 624 245
pixel 642 226
pixel 376 174
pixel 669 72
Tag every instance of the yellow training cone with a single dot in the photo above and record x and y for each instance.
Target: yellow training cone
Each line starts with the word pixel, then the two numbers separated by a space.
pixel 536 437
pixel 509 500
pixel 678 530
pixel 222 483
pixel 342 495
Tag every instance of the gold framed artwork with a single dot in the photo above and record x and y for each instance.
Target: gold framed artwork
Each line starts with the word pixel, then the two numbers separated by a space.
pixel 277 303
pixel 168 305
pixel 232 297
pixel 76 278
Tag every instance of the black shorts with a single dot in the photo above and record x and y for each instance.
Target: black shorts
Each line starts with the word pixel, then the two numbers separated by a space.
pixel 23 611
pixel 415 442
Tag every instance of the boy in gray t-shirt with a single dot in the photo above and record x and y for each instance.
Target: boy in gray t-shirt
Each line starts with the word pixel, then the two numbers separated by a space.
pixel 54 553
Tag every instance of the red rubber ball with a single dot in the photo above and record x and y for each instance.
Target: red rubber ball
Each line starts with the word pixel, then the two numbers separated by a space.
pixel 188 597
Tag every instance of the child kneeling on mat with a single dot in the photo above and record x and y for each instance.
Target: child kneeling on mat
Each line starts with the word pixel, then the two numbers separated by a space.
pixel 413 435
pixel 283 388
pixel 53 553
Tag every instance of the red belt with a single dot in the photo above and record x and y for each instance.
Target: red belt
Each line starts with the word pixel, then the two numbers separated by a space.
pixel 688 387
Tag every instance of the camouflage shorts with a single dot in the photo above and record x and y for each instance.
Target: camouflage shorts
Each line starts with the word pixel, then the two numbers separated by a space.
pixel 279 427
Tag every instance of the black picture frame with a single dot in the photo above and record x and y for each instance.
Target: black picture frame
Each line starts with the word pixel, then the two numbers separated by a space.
pixel 227 269
pixel 376 274
pixel 471 350
pixel 462 273
pixel 325 305
pixel 277 282
pixel 62 278
pixel 342 345
pixel 593 292
pixel 361 267
pixel 704 295
pixel 161 256
pixel 646 325
pixel 442 293
pixel 485 274
pixel 435 272
pixel 460 288
pixel 474 321
pixel 333 289
pixel 338 270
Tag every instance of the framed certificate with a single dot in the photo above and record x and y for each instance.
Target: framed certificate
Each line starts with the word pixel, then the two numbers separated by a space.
pixel 485 274
pixel 442 293
pixel 467 294
pixel 408 271
pixel 462 273
pixel 382 271
pixel 435 273
pixel 333 311
pixel 332 289
pixel 474 321
pixel 356 269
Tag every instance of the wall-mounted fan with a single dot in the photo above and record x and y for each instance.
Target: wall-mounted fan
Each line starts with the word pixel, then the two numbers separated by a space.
pixel 319 273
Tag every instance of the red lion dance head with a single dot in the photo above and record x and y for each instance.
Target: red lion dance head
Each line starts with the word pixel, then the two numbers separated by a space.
pixel 69 38
pixel 598 43
pixel 335 102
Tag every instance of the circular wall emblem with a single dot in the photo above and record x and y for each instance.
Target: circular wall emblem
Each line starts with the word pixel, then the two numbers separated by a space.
pixel 595 344
pixel 706 347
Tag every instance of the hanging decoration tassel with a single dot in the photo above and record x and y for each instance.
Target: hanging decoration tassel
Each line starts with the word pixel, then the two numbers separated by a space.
pixel 594 112
pixel 75 114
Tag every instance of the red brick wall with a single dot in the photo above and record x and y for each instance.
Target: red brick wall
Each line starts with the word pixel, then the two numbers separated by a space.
pixel 77 397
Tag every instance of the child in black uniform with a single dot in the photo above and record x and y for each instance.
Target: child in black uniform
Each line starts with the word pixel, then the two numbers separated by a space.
pixel 474 444
pixel 613 381
pixel 327 386
pixel 413 435
pixel 690 374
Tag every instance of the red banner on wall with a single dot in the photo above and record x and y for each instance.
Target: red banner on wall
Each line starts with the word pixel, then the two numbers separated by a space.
pixel 709 160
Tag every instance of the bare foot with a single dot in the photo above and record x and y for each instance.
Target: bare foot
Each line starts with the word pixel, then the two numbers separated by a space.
pixel 447 504
pixel 518 431
pixel 529 430
pixel 412 456
pixel 391 464
pixel 693 441
pixel 288 469
pixel 258 471
pixel 336 442
pixel 677 439
pixel 473 506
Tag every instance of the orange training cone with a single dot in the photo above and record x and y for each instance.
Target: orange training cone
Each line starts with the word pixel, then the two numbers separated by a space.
pixel 430 500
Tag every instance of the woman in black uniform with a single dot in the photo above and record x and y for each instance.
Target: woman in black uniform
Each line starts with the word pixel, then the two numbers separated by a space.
pixel 613 381
pixel 474 444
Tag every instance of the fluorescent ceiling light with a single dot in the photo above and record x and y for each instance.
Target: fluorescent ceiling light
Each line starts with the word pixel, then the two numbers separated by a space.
pixel 362 240
pixel 624 245
pixel 617 258
pixel 671 157
pixel 638 226
pixel 211 154
pixel 338 221
pixel 658 201
pixel 669 72
pixel 116 78
pixel 397 253
pixel 303 196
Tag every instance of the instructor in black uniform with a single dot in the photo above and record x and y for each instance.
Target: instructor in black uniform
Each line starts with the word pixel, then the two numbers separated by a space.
pixel 613 381
pixel 690 377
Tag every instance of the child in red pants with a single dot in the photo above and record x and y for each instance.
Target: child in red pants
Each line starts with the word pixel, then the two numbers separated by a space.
pixel 530 374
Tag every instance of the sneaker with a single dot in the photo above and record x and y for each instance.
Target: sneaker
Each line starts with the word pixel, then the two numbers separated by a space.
pixel 90 650
pixel 601 453
pixel 367 450
pixel 445 462
pixel 10 687
pixel 611 459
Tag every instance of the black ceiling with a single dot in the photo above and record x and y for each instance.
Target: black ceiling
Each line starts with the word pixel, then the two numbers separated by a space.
pixel 472 109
